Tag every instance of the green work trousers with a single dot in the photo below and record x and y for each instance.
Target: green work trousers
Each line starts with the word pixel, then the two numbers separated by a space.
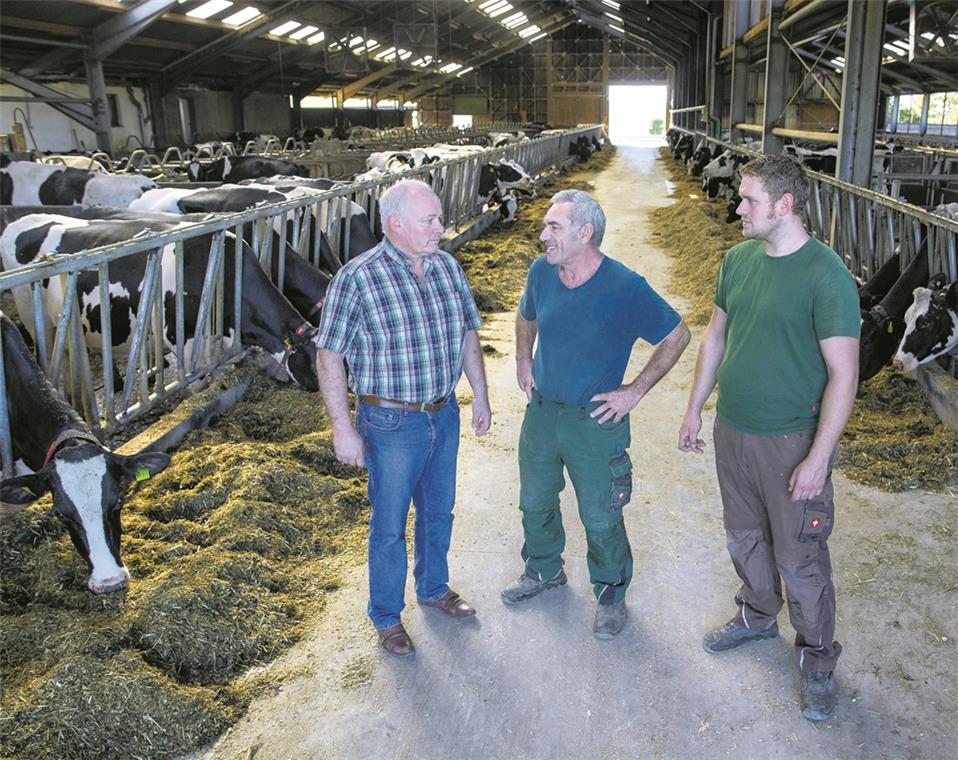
pixel 557 435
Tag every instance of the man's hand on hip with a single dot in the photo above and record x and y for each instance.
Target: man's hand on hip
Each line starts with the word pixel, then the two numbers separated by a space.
pixel 618 403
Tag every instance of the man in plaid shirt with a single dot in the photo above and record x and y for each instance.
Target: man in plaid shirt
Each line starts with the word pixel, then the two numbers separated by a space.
pixel 403 317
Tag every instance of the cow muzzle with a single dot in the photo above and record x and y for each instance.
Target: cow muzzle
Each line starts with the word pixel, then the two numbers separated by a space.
pixel 115 582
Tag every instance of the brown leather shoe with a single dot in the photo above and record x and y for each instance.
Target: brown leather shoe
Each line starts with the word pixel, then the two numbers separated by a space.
pixel 452 604
pixel 395 640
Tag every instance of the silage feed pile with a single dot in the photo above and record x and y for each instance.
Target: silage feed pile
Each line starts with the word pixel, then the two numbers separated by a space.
pixel 496 264
pixel 694 232
pixel 231 551
pixel 893 440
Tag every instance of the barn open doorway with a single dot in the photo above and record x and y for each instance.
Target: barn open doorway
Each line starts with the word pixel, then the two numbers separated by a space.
pixel 637 114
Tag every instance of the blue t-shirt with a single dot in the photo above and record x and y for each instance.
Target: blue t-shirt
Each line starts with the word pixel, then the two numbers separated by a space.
pixel 586 334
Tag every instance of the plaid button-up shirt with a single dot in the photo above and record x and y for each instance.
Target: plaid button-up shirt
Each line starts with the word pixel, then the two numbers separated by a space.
pixel 403 339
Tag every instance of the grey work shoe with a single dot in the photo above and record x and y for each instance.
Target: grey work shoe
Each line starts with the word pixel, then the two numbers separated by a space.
pixel 818 696
pixel 735 633
pixel 529 584
pixel 609 620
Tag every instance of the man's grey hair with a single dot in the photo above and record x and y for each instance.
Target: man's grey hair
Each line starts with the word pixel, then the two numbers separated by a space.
pixel 585 210
pixel 393 201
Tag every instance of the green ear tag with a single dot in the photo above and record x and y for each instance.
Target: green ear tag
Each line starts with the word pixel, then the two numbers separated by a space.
pixel 142 474
pixel 891 328
pixel 29 491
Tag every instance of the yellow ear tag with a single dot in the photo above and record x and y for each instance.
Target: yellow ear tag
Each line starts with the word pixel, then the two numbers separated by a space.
pixel 29 491
pixel 891 328
pixel 142 474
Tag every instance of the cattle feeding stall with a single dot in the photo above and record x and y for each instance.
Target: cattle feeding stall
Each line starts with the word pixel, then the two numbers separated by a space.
pixel 301 225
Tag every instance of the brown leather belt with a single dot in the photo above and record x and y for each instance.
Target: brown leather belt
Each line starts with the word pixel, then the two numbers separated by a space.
pixel 428 406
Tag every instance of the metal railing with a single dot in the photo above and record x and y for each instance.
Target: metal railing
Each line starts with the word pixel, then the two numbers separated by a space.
pixel 86 376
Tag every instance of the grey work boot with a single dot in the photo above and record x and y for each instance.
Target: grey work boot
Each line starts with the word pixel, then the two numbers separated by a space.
pixel 818 696
pixel 735 633
pixel 609 619
pixel 529 584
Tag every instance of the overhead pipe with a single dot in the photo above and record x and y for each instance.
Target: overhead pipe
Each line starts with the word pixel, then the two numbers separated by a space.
pixel 802 12
pixel 798 134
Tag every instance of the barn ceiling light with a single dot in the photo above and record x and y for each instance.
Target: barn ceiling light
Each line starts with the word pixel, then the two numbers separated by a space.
pixel 282 29
pixel 241 17
pixel 614 17
pixel 465 71
pixel 529 31
pixel 611 4
pixel 304 32
pixel 619 29
pixel 537 37
pixel 316 38
pixel 209 9
pixel 450 67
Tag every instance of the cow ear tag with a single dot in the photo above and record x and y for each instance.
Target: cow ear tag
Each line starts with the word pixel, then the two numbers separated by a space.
pixel 891 328
pixel 142 474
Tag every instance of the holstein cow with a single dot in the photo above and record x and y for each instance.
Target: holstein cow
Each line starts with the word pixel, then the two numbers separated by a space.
pixel 25 183
pixel 56 452
pixel 236 168
pixel 721 173
pixel 879 283
pixel 883 326
pixel 268 319
pixel 303 284
pixel 931 324
pixel 703 156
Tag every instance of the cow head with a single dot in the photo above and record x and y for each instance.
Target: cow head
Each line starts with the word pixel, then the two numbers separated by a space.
pixel 513 178
pixel 88 484
pixel 931 324
pixel 881 332
pixel 194 169
pixel 298 359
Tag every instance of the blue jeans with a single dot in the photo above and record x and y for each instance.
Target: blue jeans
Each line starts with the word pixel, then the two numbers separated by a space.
pixel 410 456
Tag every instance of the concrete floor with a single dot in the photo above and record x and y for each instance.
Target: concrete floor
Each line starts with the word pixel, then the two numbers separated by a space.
pixel 531 681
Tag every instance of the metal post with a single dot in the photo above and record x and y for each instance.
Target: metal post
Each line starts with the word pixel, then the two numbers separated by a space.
pixel 776 72
pixel 101 112
pixel 895 110
pixel 860 86
pixel 923 125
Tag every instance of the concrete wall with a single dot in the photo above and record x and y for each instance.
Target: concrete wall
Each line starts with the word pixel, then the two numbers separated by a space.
pixel 55 132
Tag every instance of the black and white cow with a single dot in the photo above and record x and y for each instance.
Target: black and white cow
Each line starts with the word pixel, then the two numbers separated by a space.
pixel 883 326
pixel 931 324
pixel 268 319
pixel 25 183
pixel 703 156
pixel 236 168
pixel 54 451
pixel 721 173
pixel 879 283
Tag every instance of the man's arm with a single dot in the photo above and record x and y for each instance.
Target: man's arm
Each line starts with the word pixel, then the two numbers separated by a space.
pixel 711 351
pixel 841 359
pixel 475 369
pixel 621 401
pixel 332 382
pixel 525 339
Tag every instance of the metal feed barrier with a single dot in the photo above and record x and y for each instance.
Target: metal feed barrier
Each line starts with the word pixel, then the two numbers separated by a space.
pixel 86 377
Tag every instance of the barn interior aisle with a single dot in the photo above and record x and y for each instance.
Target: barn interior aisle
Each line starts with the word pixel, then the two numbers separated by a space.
pixel 532 682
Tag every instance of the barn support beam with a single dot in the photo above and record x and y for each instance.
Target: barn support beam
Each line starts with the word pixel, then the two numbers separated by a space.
pixel 923 124
pixel 101 113
pixel 776 72
pixel 157 114
pixel 115 33
pixel 374 76
pixel 81 114
pixel 860 85
pixel 183 66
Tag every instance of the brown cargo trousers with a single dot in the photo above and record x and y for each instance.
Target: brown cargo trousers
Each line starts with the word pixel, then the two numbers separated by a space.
pixel 773 539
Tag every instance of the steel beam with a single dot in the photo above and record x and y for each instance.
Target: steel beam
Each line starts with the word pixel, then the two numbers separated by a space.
pixel 776 73
pixel 80 113
pixel 115 33
pixel 101 111
pixel 860 82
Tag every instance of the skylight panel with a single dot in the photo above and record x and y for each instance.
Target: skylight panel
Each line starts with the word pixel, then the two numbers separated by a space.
pixel 514 20
pixel 611 4
pixel 355 41
pixel 619 29
pixel 529 31
pixel 538 37
pixel 498 10
pixel 465 71
pixel 303 32
pixel 209 9
pixel 450 67
pixel 316 38
pixel 387 53
pixel 614 17
pixel 241 17
pixel 282 29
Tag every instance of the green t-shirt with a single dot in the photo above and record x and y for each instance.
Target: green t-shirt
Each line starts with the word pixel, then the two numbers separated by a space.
pixel 773 375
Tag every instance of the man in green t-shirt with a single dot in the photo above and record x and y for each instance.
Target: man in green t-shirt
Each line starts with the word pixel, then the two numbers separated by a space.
pixel 783 346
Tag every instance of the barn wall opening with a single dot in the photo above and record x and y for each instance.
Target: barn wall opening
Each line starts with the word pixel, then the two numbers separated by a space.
pixel 637 114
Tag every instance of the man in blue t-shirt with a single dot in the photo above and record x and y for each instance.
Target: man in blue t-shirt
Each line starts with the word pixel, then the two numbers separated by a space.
pixel 587 311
